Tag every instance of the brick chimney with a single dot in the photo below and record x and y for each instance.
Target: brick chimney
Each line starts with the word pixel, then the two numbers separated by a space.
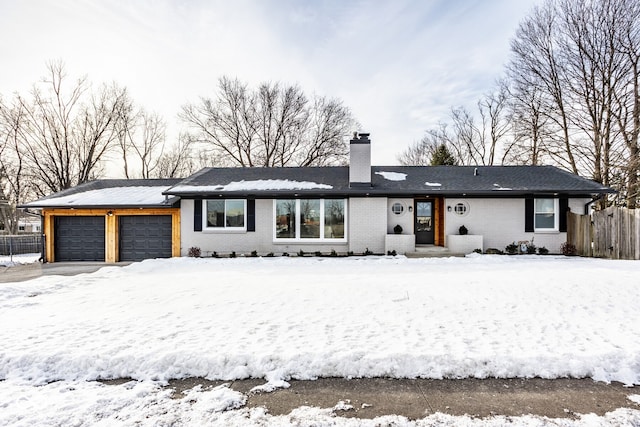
pixel 360 160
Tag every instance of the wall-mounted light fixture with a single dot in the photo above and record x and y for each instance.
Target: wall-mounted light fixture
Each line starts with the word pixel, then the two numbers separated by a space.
pixel 410 208
pixel 448 208
pixel 109 213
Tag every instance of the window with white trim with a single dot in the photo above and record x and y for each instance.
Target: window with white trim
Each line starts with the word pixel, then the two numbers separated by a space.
pixel 309 219
pixel 546 214
pixel 226 214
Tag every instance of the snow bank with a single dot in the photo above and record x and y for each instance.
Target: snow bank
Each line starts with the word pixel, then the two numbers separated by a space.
pixel 9 261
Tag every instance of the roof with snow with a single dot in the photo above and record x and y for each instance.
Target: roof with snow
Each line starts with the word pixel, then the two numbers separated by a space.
pixel 109 193
pixel 486 181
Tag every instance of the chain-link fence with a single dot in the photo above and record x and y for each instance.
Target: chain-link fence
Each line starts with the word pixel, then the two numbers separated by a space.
pixel 21 244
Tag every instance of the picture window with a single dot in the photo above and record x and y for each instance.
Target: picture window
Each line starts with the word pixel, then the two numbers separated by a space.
pixel 310 219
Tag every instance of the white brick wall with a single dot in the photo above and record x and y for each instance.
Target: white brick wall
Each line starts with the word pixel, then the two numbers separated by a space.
pixel 367 224
pixel 359 162
pixel 261 240
pixel 405 219
pixel 501 221
pixel 369 220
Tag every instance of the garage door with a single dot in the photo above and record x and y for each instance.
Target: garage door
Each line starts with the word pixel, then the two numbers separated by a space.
pixel 79 238
pixel 145 236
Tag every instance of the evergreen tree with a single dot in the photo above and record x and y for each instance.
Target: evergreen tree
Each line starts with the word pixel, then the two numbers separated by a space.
pixel 442 157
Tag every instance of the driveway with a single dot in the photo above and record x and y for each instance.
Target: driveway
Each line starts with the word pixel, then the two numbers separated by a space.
pixel 22 272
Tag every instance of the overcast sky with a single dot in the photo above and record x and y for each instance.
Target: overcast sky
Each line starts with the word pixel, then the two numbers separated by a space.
pixel 398 64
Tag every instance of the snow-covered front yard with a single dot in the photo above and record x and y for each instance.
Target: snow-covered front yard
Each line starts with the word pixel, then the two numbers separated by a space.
pixel 281 318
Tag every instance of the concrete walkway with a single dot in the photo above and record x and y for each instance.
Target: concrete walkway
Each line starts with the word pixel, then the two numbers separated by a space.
pixel 414 399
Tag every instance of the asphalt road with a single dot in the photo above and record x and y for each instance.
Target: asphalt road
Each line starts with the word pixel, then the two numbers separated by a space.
pixel 417 398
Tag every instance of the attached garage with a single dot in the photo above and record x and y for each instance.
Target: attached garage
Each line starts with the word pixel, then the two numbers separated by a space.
pixel 111 220
pixel 79 238
pixel 144 237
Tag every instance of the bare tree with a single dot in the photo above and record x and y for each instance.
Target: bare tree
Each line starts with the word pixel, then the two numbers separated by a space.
pixel 577 58
pixel 14 184
pixel 529 126
pixel 179 161
pixel 470 142
pixel 141 137
pixel 422 152
pixel 275 125
pixel 536 65
pixel 495 124
pixel 65 134
pixel 626 105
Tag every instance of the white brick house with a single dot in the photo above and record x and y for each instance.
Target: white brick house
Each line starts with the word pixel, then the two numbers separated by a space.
pixel 359 207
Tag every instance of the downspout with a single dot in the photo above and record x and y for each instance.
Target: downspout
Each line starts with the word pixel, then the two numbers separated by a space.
pixel 593 200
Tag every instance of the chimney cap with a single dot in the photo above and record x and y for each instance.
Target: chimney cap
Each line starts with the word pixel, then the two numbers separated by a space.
pixel 360 138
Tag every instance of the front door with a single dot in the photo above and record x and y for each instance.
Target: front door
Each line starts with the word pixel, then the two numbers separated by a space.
pixel 424 222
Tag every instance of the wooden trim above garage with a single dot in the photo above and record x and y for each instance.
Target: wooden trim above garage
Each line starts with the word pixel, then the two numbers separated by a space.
pixel 111 227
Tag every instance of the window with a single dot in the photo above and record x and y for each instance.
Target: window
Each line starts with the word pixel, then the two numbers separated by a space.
pixel 334 219
pixel 224 214
pixel 397 208
pixel 461 208
pixel 546 214
pixel 286 219
pixel 309 219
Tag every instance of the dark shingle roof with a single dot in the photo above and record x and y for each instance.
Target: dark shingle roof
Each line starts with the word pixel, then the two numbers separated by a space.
pixel 108 193
pixel 493 181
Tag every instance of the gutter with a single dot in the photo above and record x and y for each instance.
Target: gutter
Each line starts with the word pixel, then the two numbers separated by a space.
pixel 593 200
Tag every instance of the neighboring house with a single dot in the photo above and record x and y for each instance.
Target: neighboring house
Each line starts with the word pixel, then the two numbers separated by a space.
pixel 27 223
pixel 357 208
pixel 317 209
pixel 111 220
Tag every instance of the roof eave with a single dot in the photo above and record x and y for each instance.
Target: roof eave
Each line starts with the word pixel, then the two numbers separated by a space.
pixel 111 206
pixel 377 192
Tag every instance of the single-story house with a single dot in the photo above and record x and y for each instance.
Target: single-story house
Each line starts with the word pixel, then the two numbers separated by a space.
pixel 353 208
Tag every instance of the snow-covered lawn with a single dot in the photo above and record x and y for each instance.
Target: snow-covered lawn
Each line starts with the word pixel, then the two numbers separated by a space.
pixel 280 318
pixel 8 260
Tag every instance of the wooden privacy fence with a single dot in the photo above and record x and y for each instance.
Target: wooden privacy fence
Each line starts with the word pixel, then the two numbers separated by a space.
pixel 610 233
